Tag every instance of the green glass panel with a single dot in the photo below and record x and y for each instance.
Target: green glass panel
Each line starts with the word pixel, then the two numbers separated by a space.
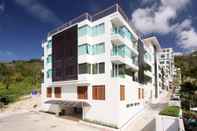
pixel 49 44
pixel 49 73
pixel 49 59
pixel 84 31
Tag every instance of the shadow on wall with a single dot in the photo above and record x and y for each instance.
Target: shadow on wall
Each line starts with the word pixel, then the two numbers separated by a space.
pixel 151 126
pixel 174 126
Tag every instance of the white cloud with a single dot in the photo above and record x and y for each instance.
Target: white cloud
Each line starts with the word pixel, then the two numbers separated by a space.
pixel 158 19
pixel 186 35
pixel 146 20
pixel 39 11
pixel 175 4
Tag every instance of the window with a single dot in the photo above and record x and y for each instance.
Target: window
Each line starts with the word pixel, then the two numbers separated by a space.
pixel 57 92
pixel 84 31
pixel 49 92
pixel 49 44
pixel 118 70
pixel 98 68
pixel 82 92
pixel 49 73
pixel 94 68
pixel 98 49
pixel 122 92
pixel 142 93
pixel 162 56
pixel 98 30
pixel 98 92
pixel 84 49
pixel 139 93
pixel 101 68
pixel 49 59
pixel 161 62
pixel 85 68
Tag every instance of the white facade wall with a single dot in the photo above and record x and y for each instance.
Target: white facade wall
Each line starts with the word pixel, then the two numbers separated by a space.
pixel 110 111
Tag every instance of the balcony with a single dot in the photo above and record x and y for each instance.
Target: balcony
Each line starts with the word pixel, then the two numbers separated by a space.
pixel 120 36
pixel 122 54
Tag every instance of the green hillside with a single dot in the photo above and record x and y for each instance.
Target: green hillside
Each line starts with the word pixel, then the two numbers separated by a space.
pixel 19 78
pixel 188 65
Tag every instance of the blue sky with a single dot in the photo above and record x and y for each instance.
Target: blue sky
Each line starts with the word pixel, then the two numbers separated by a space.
pixel 25 23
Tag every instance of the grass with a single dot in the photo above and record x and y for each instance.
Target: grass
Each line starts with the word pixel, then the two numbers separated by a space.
pixel 170 111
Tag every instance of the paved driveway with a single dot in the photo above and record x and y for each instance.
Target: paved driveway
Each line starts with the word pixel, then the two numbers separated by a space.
pixel 146 120
pixel 37 121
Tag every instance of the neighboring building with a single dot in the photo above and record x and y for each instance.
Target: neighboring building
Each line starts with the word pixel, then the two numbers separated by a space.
pixel 151 62
pixel 177 77
pixel 167 63
pixel 94 66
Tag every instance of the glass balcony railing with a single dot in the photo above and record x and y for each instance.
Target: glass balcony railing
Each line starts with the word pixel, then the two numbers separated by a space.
pixel 126 34
pixel 125 52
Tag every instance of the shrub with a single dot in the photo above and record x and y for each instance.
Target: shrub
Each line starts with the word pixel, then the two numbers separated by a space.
pixel 170 111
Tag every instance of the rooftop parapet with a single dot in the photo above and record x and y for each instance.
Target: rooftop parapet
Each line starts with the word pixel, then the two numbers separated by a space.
pixel 96 16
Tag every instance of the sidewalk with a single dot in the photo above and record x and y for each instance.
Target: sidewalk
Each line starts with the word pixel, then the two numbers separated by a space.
pixel 145 121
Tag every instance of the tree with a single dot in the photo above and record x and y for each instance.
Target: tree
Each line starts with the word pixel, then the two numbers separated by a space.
pixel 6 75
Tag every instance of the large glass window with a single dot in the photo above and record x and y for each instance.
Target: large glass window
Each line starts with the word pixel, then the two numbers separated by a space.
pixel 98 68
pixel 98 30
pixel 101 67
pixel 49 44
pixel 124 51
pixel 124 32
pixel 49 59
pixel 147 56
pixel 84 68
pixel 98 48
pixel 84 31
pixel 84 49
pixel 95 68
pixel 49 73
pixel 94 49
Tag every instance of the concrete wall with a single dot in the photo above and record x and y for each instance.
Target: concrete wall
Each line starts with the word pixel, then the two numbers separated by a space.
pixel 168 123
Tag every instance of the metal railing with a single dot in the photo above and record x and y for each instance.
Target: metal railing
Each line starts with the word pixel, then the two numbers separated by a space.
pixel 101 14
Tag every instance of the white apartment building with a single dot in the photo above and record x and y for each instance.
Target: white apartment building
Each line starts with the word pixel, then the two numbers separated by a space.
pixel 151 72
pixel 167 63
pixel 94 66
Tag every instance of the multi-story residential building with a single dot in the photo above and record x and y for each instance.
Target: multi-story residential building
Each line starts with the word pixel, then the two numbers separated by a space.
pixel 151 66
pixel 167 63
pixel 95 65
pixel 177 77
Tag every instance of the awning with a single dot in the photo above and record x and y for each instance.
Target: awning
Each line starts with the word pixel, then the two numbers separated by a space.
pixel 65 103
